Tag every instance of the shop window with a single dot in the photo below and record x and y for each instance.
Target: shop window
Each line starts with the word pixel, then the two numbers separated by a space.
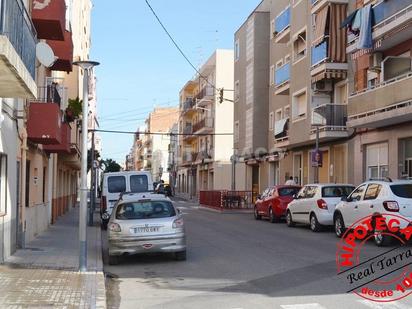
pixel 377 161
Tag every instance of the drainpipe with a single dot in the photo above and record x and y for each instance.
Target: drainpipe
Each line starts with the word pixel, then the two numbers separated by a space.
pixel 50 188
pixel 23 136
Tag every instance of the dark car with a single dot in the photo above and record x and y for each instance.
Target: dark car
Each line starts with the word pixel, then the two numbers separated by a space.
pixel 273 202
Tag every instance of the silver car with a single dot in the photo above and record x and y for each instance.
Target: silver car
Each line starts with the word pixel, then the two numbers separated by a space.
pixel 143 223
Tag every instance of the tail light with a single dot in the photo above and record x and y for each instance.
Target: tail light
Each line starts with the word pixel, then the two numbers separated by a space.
pixel 178 223
pixel 391 206
pixel 322 204
pixel 103 204
pixel 114 227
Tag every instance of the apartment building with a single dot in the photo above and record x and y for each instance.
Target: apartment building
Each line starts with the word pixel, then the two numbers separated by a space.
pixel 251 96
pixel 204 149
pixel 379 104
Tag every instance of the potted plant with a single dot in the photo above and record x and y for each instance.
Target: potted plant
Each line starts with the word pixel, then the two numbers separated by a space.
pixel 74 109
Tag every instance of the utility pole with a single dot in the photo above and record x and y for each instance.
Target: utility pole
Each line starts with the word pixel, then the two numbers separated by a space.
pixel 316 152
pixel 92 183
pixel 86 66
pixel 233 159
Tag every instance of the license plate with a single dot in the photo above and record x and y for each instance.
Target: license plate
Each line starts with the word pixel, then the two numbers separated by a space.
pixel 146 229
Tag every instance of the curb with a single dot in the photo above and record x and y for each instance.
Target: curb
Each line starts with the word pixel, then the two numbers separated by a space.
pixel 226 211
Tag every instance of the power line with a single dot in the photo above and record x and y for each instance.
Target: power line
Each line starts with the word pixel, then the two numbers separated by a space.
pixel 159 133
pixel 180 50
pixel 163 104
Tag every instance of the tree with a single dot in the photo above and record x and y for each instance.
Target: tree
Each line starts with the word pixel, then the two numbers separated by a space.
pixel 111 166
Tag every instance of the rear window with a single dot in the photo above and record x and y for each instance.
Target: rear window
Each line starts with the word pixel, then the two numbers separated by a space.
pixel 145 210
pixel 116 184
pixel 404 190
pixel 139 183
pixel 336 191
pixel 288 191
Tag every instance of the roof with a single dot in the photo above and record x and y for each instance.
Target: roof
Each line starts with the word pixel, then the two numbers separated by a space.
pixel 130 197
pixel 330 184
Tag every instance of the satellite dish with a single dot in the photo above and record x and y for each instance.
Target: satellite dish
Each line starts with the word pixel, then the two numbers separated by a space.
pixel 45 54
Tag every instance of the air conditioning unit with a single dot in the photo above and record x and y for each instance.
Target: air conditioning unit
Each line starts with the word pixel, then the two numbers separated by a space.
pixel 322 86
pixel 375 62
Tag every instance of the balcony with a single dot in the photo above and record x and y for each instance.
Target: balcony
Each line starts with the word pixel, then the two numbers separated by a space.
pixel 205 96
pixel 189 157
pixel 282 77
pixel 49 18
pixel 188 133
pixel 317 5
pixel 322 66
pixel 385 104
pixel 204 125
pixel 281 133
pixel 392 25
pixel 331 120
pixel 17 51
pixel 282 26
pixel 64 146
pixel 63 50
pixel 44 123
pixel 188 107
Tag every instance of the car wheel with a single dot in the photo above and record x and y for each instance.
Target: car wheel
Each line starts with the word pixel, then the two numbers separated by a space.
pixel 113 259
pixel 382 240
pixel 339 226
pixel 315 226
pixel 272 217
pixel 289 221
pixel 180 256
pixel 256 214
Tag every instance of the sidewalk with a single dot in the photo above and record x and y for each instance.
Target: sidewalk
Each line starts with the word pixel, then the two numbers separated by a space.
pixel 186 197
pixel 45 273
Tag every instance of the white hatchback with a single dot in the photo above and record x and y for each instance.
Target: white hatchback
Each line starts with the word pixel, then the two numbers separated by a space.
pixel 315 204
pixel 374 198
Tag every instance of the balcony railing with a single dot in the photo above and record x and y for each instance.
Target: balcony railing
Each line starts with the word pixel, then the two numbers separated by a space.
pixel 188 104
pixel 15 23
pixel 319 53
pixel 188 129
pixel 282 74
pixel 330 117
pixel 386 9
pixel 189 157
pixel 207 91
pixel 282 21
pixel 204 123
pixel 53 94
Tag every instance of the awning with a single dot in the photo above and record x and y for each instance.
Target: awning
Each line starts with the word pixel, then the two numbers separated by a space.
pixel 280 127
pixel 319 32
pixel 337 35
pixel 329 74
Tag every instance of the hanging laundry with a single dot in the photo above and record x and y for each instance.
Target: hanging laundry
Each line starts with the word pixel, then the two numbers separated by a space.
pixel 357 20
pixel 365 34
pixel 349 20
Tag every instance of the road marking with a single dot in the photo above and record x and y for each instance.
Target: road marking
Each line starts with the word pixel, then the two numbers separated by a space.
pixel 303 306
pixel 376 305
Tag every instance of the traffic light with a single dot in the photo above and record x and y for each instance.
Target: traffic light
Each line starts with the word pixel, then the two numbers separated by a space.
pixel 221 95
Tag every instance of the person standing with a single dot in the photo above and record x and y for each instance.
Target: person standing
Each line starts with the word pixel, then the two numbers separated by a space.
pixel 290 182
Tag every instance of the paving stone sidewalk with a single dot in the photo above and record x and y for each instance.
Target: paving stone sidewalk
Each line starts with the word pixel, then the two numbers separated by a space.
pixel 44 274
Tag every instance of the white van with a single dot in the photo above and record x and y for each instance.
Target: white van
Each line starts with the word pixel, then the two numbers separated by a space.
pixel 116 183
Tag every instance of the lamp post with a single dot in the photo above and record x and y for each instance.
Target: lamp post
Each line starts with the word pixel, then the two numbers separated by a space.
pixel 86 66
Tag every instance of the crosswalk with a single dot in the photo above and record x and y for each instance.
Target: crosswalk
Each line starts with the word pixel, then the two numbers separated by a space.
pixel 363 303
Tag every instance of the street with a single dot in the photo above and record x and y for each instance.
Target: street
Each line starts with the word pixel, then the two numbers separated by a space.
pixel 237 262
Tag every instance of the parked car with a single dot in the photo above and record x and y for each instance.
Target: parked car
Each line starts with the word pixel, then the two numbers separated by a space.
pixel 375 198
pixel 116 183
pixel 273 202
pixel 143 223
pixel 315 204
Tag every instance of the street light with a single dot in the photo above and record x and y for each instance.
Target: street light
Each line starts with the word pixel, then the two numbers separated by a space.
pixel 86 66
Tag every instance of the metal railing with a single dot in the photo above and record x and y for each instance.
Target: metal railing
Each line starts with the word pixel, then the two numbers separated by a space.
pixel 204 123
pixel 319 53
pixel 227 199
pixel 282 74
pixel 330 117
pixel 188 129
pixel 283 20
pixel 188 104
pixel 15 23
pixel 53 94
pixel 206 91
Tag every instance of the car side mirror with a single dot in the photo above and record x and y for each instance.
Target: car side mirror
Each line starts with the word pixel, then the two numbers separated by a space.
pixel 344 199
pixel 179 211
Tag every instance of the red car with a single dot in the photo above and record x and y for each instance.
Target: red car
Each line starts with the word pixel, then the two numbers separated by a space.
pixel 273 202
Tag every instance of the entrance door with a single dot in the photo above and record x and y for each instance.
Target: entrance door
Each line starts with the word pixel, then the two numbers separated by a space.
pixel 408 168
pixel 297 168
pixel 255 179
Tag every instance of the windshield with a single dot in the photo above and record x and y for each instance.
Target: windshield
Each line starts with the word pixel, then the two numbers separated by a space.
pixel 139 183
pixel 288 191
pixel 116 184
pixel 145 210
pixel 336 191
pixel 404 190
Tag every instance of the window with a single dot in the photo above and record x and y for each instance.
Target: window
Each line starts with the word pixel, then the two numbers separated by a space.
pixel 271 121
pixel 236 137
pixel 237 50
pixel 341 93
pixel 377 161
pixel 299 46
pixel 272 75
pixel 237 90
pixel 139 183
pixel 286 113
pixel 299 105
pixel 288 191
pixel 372 192
pixel 279 64
pixel 403 190
pixel 405 151
pixel 145 210
pixel 357 194
pixel 278 115
pixel 272 29
pixel 336 191
pixel 311 192
pixel 116 184
pixel 287 58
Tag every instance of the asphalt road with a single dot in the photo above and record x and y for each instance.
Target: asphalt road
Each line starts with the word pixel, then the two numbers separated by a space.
pixel 235 261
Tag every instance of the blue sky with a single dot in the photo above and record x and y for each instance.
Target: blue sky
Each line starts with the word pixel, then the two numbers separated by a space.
pixel 140 68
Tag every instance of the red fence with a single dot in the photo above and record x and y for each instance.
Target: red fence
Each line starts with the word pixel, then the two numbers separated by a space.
pixel 227 199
